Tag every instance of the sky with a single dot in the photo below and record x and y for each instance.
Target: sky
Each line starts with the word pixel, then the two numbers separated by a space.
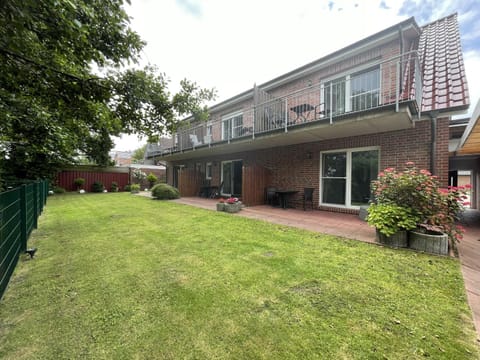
pixel 231 45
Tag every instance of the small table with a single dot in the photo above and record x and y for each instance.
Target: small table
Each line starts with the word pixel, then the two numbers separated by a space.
pixel 284 195
pixel 300 110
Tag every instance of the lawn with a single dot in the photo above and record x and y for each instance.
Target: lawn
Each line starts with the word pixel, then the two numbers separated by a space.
pixel 119 276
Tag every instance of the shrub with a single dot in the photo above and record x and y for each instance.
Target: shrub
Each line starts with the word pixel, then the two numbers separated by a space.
pixel 58 190
pixel 97 187
pixel 391 218
pixel 165 192
pixel 114 186
pixel 152 179
pixel 135 188
pixel 127 187
pixel 79 182
pixel 419 191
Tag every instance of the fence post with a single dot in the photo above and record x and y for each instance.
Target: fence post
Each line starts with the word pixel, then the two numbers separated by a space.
pixel 23 217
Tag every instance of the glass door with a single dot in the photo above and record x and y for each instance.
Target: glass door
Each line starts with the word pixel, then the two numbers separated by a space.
pixel 346 176
pixel 232 178
pixel 334 178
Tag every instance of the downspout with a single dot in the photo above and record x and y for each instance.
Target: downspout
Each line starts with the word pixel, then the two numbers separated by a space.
pixel 433 147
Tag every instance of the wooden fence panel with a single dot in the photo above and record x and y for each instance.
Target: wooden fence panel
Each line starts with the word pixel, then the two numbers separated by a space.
pixel 255 179
pixel 66 178
pixel 189 182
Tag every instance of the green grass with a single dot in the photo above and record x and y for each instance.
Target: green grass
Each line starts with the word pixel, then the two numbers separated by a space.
pixel 119 276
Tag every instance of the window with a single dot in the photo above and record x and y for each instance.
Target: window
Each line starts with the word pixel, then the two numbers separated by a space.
pixel 232 126
pixel 208 171
pixel 365 90
pixel 353 92
pixel 346 176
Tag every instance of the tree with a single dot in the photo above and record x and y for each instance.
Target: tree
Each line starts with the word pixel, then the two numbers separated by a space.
pixel 54 106
pixel 139 154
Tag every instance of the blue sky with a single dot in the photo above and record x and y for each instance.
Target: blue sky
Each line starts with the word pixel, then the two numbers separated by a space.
pixel 230 45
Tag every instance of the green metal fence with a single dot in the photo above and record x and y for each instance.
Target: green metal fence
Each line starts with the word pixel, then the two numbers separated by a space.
pixel 19 210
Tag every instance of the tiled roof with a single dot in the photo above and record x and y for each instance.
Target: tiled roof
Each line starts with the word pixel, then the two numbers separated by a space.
pixel 441 61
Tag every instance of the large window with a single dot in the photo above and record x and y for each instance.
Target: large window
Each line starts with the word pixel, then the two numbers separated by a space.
pixel 346 176
pixel 232 126
pixel 353 92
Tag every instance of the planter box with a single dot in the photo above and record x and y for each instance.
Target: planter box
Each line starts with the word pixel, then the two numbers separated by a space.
pixel 220 207
pixel 430 243
pixel 398 240
pixel 233 208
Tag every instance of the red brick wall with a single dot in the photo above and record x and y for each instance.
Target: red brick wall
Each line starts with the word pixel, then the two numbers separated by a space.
pixel 291 167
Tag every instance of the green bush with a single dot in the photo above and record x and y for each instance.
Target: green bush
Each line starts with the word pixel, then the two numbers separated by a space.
pixel 79 182
pixel 391 218
pixel 165 192
pixel 152 179
pixel 58 190
pixel 135 188
pixel 127 187
pixel 114 186
pixel 97 187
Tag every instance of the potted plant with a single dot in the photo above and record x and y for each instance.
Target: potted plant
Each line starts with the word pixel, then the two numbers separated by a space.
pixel 135 188
pixel 233 205
pixel 79 182
pixel 392 222
pixel 434 209
pixel 152 179
pixel 221 205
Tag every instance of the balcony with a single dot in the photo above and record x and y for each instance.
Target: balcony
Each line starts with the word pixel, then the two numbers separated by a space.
pixel 381 98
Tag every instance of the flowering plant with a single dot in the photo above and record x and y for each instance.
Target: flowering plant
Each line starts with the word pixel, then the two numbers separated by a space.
pixel 232 200
pixel 433 207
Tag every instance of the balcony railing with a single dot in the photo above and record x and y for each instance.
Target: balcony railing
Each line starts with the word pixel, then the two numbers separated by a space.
pixel 389 83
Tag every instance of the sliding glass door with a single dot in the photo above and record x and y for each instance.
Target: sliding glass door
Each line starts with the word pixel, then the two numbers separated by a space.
pixel 346 176
pixel 232 178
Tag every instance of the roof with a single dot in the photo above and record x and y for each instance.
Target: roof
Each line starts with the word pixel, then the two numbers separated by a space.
pixel 470 141
pixel 406 25
pixel 441 61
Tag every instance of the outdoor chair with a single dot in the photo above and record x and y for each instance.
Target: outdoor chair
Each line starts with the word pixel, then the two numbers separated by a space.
pixel 194 140
pixel 271 197
pixel 307 197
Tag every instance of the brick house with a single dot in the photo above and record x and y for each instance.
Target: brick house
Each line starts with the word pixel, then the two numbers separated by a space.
pixel 331 124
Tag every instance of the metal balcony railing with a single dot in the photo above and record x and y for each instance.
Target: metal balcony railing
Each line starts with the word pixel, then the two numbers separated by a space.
pixel 389 83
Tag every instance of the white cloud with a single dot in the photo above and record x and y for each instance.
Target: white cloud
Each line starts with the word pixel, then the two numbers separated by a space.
pixel 472 69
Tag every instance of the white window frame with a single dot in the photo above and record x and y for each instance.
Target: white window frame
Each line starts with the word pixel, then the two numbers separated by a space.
pixel 228 119
pixel 208 171
pixel 348 173
pixel 346 76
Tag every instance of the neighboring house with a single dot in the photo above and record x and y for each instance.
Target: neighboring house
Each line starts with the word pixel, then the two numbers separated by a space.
pixel 332 124
pixel 464 149
pixel 122 158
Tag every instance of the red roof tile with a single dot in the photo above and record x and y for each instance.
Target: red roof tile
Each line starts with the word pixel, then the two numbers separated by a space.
pixel 444 81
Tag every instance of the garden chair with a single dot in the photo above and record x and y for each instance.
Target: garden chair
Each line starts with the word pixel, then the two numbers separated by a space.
pixel 307 197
